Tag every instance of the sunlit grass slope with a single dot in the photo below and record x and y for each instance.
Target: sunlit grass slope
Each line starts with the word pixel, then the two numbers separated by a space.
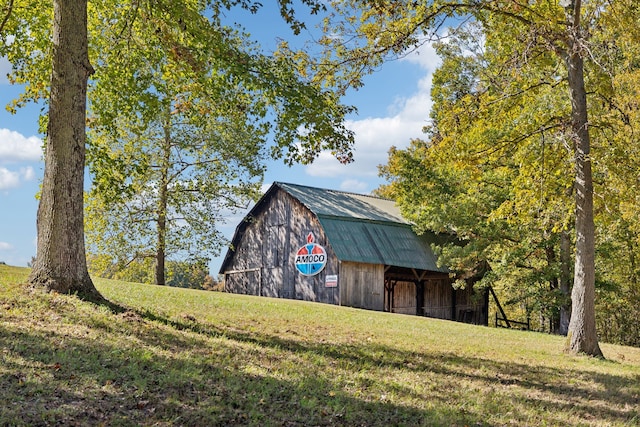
pixel 166 356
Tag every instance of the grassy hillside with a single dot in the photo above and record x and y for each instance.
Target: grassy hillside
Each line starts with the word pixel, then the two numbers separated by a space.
pixel 166 356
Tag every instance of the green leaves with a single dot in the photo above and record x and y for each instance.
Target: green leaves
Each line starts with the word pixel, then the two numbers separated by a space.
pixel 183 112
pixel 498 167
pixel 499 162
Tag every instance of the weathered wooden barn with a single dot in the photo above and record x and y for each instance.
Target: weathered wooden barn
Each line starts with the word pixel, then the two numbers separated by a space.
pixel 342 248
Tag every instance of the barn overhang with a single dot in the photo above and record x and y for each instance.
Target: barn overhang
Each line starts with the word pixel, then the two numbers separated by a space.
pixel 412 274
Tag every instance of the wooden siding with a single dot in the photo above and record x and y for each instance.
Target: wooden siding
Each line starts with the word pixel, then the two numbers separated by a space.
pixel 404 298
pixel 264 261
pixel 440 300
pixel 362 285
pixel 243 282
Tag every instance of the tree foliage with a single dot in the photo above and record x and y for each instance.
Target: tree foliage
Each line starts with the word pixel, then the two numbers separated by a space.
pixel 508 163
pixel 493 171
pixel 191 274
pixel 181 142
pixel 163 67
pixel 187 150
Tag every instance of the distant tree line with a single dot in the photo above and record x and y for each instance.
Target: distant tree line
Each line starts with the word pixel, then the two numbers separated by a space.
pixel 193 274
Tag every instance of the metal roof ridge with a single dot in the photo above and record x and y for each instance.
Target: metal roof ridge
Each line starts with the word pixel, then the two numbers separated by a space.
pixel 351 193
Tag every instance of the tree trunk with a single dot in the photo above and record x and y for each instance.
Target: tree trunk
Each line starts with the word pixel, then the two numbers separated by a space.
pixel 565 282
pixel 163 203
pixel 582 336
pixel 554 283
pixel 161 243
pixel 61 264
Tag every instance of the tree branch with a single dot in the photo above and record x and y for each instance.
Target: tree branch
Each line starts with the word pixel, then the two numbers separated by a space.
pixel 9 10
pixel 551 124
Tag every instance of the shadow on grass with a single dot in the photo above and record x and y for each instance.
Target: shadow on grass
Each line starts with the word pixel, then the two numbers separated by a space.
pixel 145 369
pixel 52 379
pixel 592 397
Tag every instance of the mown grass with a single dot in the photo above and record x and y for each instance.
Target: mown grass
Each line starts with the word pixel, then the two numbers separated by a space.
pixel 166 356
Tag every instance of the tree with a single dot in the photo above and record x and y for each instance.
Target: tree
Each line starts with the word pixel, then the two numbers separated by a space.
pixel 198 120
pixel 61 261
pixel 583 337
pixel 182 274
pixel 539 29
pixel 182 177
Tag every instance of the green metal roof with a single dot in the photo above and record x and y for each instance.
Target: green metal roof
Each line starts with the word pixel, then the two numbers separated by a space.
pixel 324 202
pixel 378 243
pixel 367 229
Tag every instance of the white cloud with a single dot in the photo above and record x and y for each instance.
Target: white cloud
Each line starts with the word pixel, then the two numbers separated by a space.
pixel 4 246
pixel 12 179
pixel 8 179
pixel 16 147
pixel 374 136
pixel 354 186
pixel 425 56
pixel 28 174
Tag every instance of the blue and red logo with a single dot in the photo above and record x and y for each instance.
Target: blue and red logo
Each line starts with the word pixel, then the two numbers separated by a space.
pixel 311 258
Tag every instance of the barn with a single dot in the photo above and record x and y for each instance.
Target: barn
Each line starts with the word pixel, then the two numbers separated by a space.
pixel 342 248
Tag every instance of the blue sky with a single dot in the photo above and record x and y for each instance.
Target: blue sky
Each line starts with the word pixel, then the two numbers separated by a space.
pixel 393 106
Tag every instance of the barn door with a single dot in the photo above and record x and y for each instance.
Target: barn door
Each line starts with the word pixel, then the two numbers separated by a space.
pixel 366 289
pixel 273 261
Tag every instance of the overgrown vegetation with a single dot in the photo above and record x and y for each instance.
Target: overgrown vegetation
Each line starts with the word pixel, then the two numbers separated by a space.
pixel 182 274
pixel 170 356
pixel 516 130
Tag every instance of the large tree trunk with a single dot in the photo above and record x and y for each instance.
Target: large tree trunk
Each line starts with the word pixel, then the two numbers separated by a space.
pixel 582 336
pixel 60 262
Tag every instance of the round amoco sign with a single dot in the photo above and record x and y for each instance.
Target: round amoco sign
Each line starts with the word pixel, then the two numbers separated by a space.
pixel 311 258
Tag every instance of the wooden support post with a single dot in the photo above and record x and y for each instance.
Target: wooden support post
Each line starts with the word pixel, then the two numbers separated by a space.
pixel 454 307
pixel 419 298
pixel 495 298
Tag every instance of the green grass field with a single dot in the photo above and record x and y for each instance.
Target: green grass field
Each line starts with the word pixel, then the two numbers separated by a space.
pixel 163 356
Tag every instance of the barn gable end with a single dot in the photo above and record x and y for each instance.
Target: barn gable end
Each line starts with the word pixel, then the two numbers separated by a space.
pixel 262 260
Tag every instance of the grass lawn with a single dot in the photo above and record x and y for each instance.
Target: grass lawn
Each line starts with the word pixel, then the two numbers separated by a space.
pixel 163 356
